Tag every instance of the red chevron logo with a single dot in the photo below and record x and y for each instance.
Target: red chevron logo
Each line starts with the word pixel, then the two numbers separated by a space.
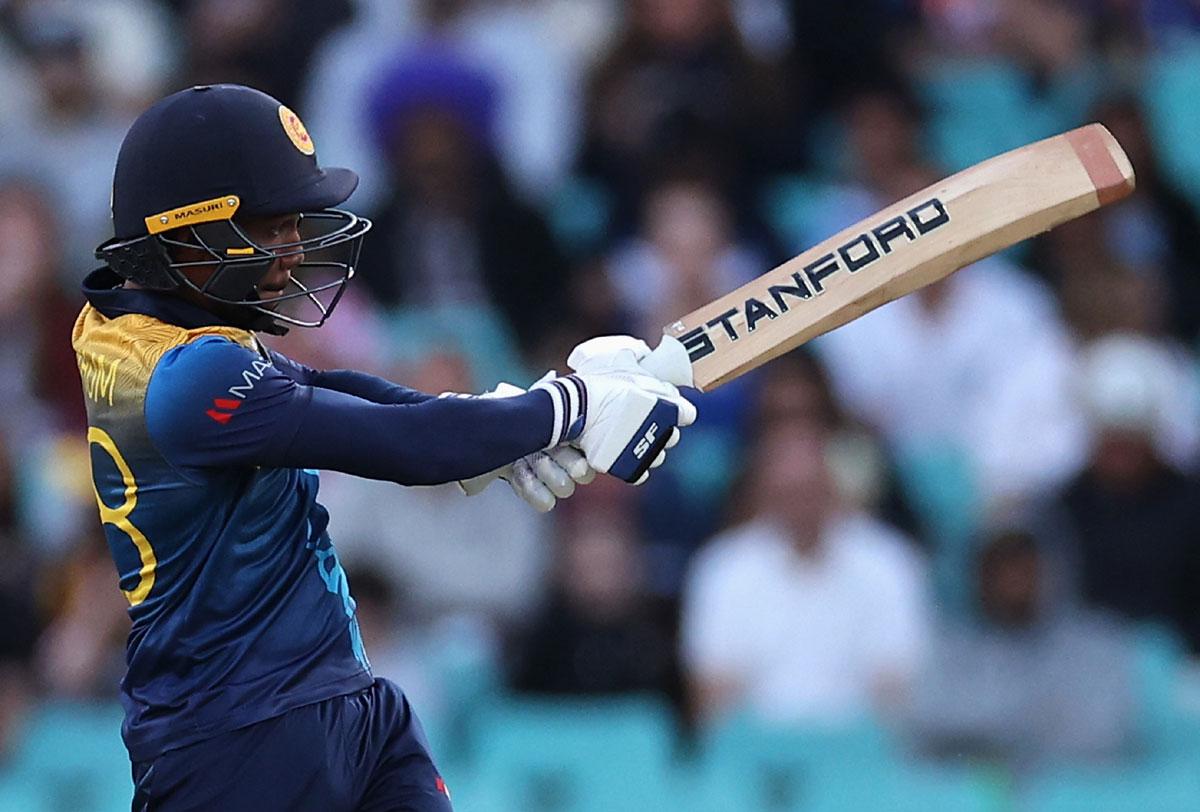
pixel 223 403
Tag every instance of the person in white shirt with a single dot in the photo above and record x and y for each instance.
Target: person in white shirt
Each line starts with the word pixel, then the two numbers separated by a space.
pixel 805 612
pixel 981 360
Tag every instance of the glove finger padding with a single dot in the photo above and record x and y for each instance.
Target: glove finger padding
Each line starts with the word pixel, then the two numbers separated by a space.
pixel 539 478
pixel 687 410
pixel 530 487
pixel 626 440
pixel 574 463
pixel 551 474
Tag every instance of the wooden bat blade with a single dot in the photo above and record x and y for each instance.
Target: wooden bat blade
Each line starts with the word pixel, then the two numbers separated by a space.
pixel 908 245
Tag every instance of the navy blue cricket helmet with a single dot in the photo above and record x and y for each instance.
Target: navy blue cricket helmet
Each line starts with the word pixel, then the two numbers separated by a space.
pixel 197 162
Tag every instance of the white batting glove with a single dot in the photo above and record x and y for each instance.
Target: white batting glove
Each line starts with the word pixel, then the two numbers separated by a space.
pixel 668 361
pixel 622 417
pixel 541 478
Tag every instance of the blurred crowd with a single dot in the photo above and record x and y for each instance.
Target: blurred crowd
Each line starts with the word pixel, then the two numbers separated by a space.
pixel 971 516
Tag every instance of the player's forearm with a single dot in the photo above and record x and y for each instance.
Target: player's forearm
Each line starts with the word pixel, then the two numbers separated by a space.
pixel 352 382
pixel 368 387
pixel 428 443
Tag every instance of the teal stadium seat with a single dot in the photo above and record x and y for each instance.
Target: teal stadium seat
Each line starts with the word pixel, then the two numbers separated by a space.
pixel 1164 776
pixel 580 214
pixel 982 107
pixel 69 758
pixel 1171 95
pixel 1172 786
pixel 792 205
pixel 978 109
pixel 476 332
pixel 749 765
pixel 939 480
pixel 549 755
pixel 1168 731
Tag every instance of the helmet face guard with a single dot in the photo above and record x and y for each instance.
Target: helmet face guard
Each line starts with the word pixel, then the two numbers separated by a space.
pixel 213 256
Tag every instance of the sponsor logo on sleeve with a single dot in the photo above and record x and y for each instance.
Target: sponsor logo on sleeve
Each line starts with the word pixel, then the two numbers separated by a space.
pixel 223 409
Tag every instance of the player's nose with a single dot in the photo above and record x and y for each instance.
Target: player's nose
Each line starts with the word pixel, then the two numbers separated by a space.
pixel 279 274
pixel 290 257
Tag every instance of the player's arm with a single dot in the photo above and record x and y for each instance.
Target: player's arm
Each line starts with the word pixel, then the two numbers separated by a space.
pixel 540 478
pixel 215 403
pixel 349 381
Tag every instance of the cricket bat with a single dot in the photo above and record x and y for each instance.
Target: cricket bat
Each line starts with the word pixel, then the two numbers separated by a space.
pixel 913 243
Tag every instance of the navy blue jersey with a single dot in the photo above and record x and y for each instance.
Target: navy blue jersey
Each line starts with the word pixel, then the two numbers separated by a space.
pixel 204 447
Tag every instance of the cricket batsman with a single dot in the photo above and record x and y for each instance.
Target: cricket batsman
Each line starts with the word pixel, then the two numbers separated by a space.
pixel 247 686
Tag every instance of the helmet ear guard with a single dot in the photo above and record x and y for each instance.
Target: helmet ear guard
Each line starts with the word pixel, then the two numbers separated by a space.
pixel 143 260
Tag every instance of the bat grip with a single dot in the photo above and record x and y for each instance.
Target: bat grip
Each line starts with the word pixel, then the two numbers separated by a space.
pixel 669 362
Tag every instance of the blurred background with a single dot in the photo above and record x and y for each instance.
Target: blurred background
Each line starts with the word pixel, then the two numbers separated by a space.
pixel 947 557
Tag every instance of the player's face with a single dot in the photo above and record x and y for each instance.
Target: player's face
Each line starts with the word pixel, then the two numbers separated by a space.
pixel 275 231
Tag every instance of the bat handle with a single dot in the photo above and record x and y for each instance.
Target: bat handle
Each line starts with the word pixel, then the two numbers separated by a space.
pixel 669 362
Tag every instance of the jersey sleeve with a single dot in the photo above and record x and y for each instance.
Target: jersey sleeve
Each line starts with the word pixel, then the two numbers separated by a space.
pixel 216 403
pixel 352 382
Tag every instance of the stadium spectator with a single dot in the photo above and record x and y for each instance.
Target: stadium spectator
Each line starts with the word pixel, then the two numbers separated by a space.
pixel 967 380
pixel 130 44
pixel 832 52
pixel 679 83
pixel 18 688
pixel 1133 513
pixel 453 237
pixel 39 412
pixel 71 143
pixel 267 44
pixel 538 51
pixel 82 653
pixel 804 612
pixel 1142 252
pixel 34 315
pixel 1155 234
pixel 599 631
pixel 27 259
pixel 1031 680
pixel 795 390
pixel 686 252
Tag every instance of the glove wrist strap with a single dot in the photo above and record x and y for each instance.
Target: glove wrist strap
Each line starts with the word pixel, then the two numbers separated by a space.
pixel 568 397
